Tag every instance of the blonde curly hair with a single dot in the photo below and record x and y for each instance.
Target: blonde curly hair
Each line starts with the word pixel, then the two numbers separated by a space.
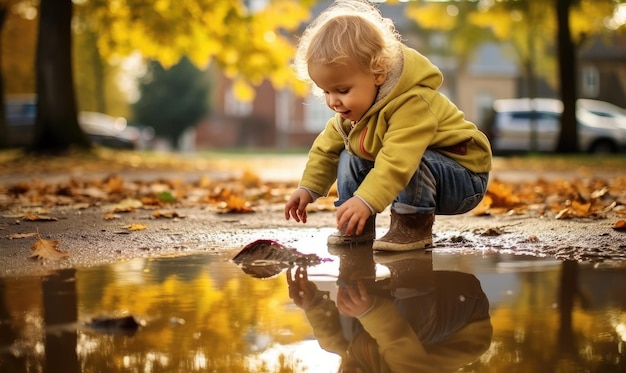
pixel 353 30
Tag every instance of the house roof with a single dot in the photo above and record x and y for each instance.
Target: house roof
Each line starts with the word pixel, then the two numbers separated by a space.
pixel 605 48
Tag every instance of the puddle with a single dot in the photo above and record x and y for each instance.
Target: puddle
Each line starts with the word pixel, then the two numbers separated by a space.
pixel 203 313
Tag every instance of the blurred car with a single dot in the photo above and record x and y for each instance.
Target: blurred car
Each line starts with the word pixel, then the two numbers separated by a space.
pixel 105 130
pixel 510 123
pixel 102 129
pixel 613 115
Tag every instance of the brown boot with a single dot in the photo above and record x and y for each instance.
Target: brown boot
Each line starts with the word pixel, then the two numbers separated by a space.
pixel 407 232
pixel 368 234
pixel 409 269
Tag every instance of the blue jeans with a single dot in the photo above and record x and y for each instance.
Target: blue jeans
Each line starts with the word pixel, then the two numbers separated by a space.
pixel 440 185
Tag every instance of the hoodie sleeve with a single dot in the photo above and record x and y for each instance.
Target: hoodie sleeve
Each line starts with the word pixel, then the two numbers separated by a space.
pixel 321 169
pixel 324 319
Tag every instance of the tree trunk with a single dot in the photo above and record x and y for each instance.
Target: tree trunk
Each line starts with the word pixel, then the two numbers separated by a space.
pixel 568 137
pixel 4 131
pixel 56 125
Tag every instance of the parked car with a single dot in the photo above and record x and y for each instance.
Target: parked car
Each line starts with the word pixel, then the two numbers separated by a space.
pixel 101 128
pixel 509 127
pixel 613 115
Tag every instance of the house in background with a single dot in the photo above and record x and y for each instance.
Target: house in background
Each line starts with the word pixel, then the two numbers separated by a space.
pixel 602 67
pixel 278 119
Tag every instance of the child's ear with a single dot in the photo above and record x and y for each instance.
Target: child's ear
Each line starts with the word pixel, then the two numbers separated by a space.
pixel 379 79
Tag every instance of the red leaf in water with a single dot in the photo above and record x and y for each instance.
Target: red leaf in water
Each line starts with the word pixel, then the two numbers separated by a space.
pixel 266 258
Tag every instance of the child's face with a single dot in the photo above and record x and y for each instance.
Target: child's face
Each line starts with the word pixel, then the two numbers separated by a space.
pixel 348 89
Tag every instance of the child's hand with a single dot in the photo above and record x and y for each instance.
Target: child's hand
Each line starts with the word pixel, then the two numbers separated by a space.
pixel 296 206
pixel 353 300
pixel 301 290
pixel 352 216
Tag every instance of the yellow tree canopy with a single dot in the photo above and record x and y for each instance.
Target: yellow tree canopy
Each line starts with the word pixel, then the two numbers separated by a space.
pixel 513 21
pixel 509 19
pixel 249 45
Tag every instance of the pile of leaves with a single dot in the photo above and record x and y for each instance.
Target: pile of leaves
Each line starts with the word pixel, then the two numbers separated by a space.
pixel 561 199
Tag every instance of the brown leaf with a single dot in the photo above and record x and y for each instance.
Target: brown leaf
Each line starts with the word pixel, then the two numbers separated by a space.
pixel 110 216
pixel 581 209
pixel 620 225
pixel 492 232
pixel 166 214
pixel 36 217
pixel 266 258
pixel 47 249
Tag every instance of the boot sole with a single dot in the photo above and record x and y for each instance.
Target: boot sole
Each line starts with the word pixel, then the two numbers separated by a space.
pixel 347 240
pixel 379 245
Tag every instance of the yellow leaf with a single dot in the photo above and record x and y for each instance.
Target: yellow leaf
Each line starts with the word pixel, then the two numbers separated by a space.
pixel 47 249
pixel 236 204
pixel 110 216
pixel 127 205
pixel 136 227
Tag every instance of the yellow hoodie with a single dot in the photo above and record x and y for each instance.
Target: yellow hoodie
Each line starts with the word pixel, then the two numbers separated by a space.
pixel 390 345
pixel 408 117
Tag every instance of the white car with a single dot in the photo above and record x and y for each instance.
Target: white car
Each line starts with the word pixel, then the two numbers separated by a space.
pixel 613 115
pixel 102 129
pixel 510 127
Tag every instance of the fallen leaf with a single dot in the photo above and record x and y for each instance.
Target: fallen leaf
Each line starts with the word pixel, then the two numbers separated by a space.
pixel 36 217
pixel 581 209
pixel 483 207
pixel 136 227
pixel 564 214
pixel 266 258
pixel 495 231
pixel 13 216
pixel 235 204
pixel 47 249
pixel 620 225
pixel 110 216
pixel 22 235
pixel 127 205
pixel 166 214
pixel 166 196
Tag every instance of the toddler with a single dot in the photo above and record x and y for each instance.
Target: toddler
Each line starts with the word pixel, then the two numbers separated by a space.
pixel 394 140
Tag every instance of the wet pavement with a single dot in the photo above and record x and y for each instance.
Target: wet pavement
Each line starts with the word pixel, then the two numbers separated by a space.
pixel 437 310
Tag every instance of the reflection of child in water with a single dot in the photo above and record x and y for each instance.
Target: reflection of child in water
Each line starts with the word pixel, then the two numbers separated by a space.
pixel 420 321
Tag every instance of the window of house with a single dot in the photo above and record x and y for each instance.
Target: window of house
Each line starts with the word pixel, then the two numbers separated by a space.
pixel 234 106
pixel 591 82
pixel 316 113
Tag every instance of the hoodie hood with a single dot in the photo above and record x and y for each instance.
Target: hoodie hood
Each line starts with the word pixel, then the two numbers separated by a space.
pixel 410 69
